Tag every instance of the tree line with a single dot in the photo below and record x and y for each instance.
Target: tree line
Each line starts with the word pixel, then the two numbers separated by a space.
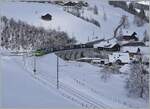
pixel 17 35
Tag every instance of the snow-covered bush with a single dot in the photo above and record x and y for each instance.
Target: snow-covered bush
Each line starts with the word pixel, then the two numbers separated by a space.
pixel 95 22
pixel 121 23
pixel 142 14
pixel 104 15
pixel 95 10
pixel 105 73
pixel 138 82
pixel 132 9
pixel 120 32
pixel 78 14
pixel 146 36
pixel 125 19
pixel 126 23
pixel 138 21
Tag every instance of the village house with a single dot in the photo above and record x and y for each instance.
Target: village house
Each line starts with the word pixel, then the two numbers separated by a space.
pixel 108 45
pixel 70 4
pixel 131 50
pixel 75 5
pixel 127 37
pixel 46 17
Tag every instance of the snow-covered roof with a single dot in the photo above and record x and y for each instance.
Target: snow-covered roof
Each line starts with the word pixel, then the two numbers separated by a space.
pixel 99 60
pixel 87 58
pixel 107 43
pixel 138 10
pixel 144 2
pixel 133 49
pixel 129 49
pixel 127 32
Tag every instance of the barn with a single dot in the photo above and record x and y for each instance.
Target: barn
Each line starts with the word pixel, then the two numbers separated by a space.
pixel 46 17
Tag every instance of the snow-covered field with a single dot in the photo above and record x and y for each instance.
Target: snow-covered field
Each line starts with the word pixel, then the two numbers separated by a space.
pixel 80 84
pixel 22 88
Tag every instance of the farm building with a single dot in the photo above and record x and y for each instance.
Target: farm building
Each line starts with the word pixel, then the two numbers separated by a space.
pixel 46 17
pixel 123 39
pixel 108 45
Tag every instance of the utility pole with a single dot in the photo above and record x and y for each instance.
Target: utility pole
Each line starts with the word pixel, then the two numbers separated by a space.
pixel 93 33
pixel 34 64
pixel 57 72
pixel 88 39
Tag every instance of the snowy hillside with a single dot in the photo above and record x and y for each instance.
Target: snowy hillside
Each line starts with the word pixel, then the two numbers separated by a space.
pixel 75 27
pixel 81 84
pixel 60 21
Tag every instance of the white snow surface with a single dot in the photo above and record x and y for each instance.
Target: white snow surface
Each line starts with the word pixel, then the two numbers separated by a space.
pixel 75 27
pixel 76 75
pixel 23 89
pixel 145 2
pixel 20 90
pixel 31 13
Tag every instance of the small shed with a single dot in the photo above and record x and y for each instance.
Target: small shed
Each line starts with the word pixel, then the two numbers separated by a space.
pixel 46 17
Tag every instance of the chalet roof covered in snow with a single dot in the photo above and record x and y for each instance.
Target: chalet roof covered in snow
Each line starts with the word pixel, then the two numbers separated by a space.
pixel 128 37
pixel 127 32
pixel 133 49
pixel 145 2
pixel 107 43
pixel 129 49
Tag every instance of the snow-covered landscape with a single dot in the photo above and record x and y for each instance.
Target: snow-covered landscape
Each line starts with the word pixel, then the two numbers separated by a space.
pixel 74 54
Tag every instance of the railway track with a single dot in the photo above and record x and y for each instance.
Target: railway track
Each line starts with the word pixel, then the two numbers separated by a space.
pixel 66 90
pixel 88 100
